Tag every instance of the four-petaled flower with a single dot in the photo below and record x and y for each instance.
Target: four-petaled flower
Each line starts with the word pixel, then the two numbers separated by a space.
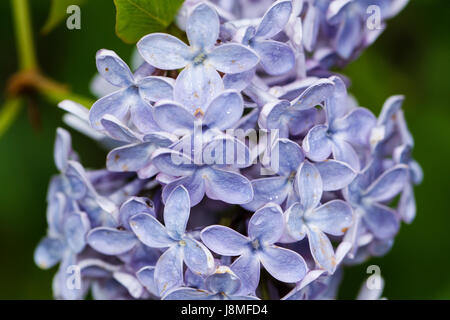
pixel 343 131
pixel 309 218
pixel 265 228
pixel 133 99
pixel 367 195
pixel 200 80
pixel 210 177
pixel 180 245
pixel 288 157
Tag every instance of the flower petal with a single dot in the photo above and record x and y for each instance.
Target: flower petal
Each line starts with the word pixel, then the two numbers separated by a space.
pixel 111 241
pixel 309 185
pixel 295 224
pixel 224 280
pixel 203 27
pixel 389 184
pixel 274 20
pixel 113 68
pixel 173 163
pixel 63 149
pixel 146 277
pixel 381 221
pixel 276 58
pixel 78 184
pixel 76 226
pixel 317 94
pixel 321 249
pixel 176 212
pixel 283 264
pixel 356 127
pixel 142 117
pixel 227 186
pixel 233 58
pixel 49 252
pixel 169 270
pixel 196 86
pixel 272 189
pixel 335 175
pixel 317 144
pixel 154 89
pixel 173 117
pixel 311 25
pixel 164 51
pixel 247 268
pixel 130 158
pixel 275 115
pixel 349 35
pixel 267 224
pixel 132 207
pixel 224 241
pixel 117 130
pixel 194 184
pixel 239 81
pixel 117 104
pixel 289 156
pixel 407 204
pixel 224 111
pixel 334 217
pixel 390 108
pixel 150 231
pixel 197 257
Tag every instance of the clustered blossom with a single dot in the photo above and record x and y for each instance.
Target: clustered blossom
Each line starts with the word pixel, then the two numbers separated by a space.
pixel 185 209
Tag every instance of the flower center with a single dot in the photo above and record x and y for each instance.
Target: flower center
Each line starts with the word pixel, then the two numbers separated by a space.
pixel 255 244
pixel 200 58
pixel 198 113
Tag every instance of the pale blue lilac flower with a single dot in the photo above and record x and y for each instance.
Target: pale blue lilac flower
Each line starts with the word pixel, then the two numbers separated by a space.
pixel 120 239
pixel 214 180
pixel 288 117
pixel 136 154
pixel 66 234
pixel 314 21
pixel 276 57
pixel 351 18
pixel 200 80
pixel 391 138
pixel 221 113
pixel 309 218
pixel 223 284
pixel 180 245
pixel 368 194
pixel 343 132
pixel 288 157
pixel 265 228
pixel 132 101
pixel 407 203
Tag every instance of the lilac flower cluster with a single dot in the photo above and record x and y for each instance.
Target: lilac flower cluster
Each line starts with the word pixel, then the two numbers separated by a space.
pixel 188 209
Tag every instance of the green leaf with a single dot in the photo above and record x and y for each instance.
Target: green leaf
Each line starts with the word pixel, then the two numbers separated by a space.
pixel 58 11
pixel 137 18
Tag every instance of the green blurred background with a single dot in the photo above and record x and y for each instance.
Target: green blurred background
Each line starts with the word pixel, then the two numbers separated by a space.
pixel 412 58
